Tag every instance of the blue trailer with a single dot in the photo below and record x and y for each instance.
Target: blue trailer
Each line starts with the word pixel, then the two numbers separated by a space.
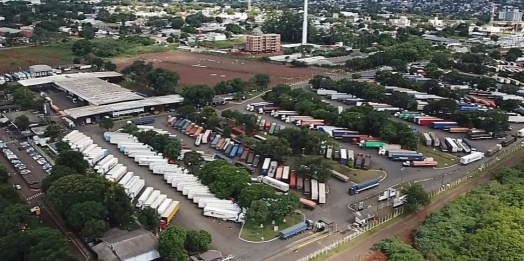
pixel 337 134
pixel 144 120
pixel 469 108
pixel 221 156
pixel 260 106
pixel 408 157
pixel 234 151
pixel 443 125
pixel 355 189
pixel 178 121
pixel 294 230
pixel 215 141
pixel 180 124
pixel 240 150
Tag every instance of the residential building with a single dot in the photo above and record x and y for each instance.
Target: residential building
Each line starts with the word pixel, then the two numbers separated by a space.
pixel 436 22
pixel 403 21
pixel 511 16
pixel 260 42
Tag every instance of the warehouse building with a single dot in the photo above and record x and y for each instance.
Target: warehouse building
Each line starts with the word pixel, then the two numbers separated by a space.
pixel 119 245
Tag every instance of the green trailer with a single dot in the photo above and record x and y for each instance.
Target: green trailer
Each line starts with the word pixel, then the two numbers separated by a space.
pixel 372 144
pixel 272 129
pixel 406 116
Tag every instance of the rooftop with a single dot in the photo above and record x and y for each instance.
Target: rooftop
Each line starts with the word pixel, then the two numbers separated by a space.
pixel 62 77
pixel 90 110
pixel 96 91
pixel 121 245
pixel 40 68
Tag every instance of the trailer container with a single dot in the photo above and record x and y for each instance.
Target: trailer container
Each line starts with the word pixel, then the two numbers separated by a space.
pixel 265 166
pixel 293 231
pixel 197 195
pixel 104 161
pixel 163 207
pixel 233 152
pixel 285 173
pixel 250 158
pixel 127 177
pixel 89 148
pixel 292 179
pixel 69 135
pixel 226 215
pixel 338 134
pixel 158 201
pixel 372 144
pixel 358 161
pixel 279 185
pixel 355 189
pixel 493 150
pixel 435 139
pixel 136 188
pixel 278 173
pixel 314 189
pixel 300 183
pixel 170 212
pixel 475 156
pixel 138 158
pixel 407 157
pixel 116 175
pixel 340 176
pixel 256 160
pixel 307 187
pixel 321 193
pixel 103 169
pixel 367 162
pixel 426 139
pixel 147 162
pixel 460 143
pixel 144 196
pixel 459 130
pixel 509 141
pixel 444 125
pixel 308 204
pixel 422 163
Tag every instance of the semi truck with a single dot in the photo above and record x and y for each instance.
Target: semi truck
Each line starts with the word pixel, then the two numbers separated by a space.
pixel 407 157
pixel 147 162
pixel 508 142
pixel 225 215
pixel 138 158
pixel 107 166
pixel 388 147
pixel 444 125
pixel 202 203
pixel 170 212
pixel 293 119
pixel 163 207
pixel 103 161
pixel 144 196
pixel 126 178
pixel 158 201
pixel 475 156
pixel 372 144
pixel 355 189
pixel 135 189
pixel 294 230
pixel 279 185
pixel 151 199
pixel 116 173
pixel 422 163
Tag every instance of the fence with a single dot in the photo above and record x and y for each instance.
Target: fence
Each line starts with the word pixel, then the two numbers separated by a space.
pixel 486 166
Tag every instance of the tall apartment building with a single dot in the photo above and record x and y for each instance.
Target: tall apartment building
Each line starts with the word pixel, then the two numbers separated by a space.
pixel 511 16
pixel 260 42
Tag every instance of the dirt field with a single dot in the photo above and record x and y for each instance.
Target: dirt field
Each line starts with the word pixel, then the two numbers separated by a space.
pixel 207 69
pixel 16 59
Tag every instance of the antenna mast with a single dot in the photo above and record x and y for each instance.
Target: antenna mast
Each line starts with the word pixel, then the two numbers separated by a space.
pixel 492 18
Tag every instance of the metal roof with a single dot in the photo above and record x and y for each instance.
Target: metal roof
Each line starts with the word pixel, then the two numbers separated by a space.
pixel 40 68
pixel 123 245
pixel 97 92
pixel 62 77
pixel 91 110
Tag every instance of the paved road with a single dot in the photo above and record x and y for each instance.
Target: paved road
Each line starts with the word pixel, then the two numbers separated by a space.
pixel 361 250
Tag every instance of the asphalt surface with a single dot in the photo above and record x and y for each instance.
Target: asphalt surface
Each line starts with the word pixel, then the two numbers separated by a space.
pixel 224 234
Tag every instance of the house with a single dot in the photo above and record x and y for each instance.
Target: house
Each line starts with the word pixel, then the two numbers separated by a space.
pixel 365 216
pixel 120 245
pixel 40 70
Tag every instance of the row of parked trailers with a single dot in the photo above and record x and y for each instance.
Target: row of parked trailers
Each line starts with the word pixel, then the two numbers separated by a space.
pixel 283 178
pixel 143 155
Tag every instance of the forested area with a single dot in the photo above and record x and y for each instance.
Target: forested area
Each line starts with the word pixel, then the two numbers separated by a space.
pixel 363 118
pixel 485 224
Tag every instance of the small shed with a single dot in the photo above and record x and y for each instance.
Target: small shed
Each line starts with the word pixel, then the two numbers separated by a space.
pixel 119 245
pixel 363 217
pixel 211 255
pixel 40 70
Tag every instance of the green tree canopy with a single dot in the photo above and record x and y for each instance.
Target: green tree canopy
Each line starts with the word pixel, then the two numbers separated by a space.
pixel 73 160
pixel 171 243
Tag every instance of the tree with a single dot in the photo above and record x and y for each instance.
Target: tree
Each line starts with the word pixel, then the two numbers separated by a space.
pixel 79 214
pixel 177 22
pixel 106 123
pixel 98 62
pixel 77 60
pixel 223 179
pixel 73 189
pixel 261 80
pixel 163 81
pixel 24 97
pixel 234 28
pixel 93 228
pixel 82 47
pixel 276 148
pixel 197 241
pixel 314 167
pixel 52 131
pixel 282 206
pixel 4 174
pixel 193 161
pixel 109 66
pixel 62 146
pixel 251 194
pixel 258 211
pixel 57 173
pixel 42 243
pixel 219 19
pixel 171 243
pixel 149 218
pixel 416 197
pixel 138 71
pixel 74 160
pixel 198 94
pixel 22 122
pixel 172 149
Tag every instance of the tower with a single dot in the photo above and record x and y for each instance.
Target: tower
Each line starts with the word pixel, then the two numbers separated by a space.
pixel 492 18
pixel 248 5
pixel 304 25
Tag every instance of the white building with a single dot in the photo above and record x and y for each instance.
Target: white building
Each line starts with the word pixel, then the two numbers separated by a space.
pixel 511 16
pixel 403 21
pixel 436 22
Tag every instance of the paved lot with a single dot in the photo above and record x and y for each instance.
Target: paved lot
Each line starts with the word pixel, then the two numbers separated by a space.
pixel 225 235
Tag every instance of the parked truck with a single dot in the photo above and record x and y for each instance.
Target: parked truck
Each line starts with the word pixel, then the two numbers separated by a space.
pixel 355 189
pixel 226 215
pixel 107 166
pixel 294 230
pixel 116 173
pixel 170 212
pixel 423 163
pixel 136 188
pixel 372 144
pixel 475 156
pixel 277 184
pixel 358 160
pixel 407 157
pixel 151 199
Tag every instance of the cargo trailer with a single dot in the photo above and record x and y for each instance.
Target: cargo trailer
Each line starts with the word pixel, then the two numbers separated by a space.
pixel 422 163
pixel 475 156
pixel 279 185
pixel 355 189
pixel 103 169
pixel 163 207
pixel 144 196
pixel 158 201
pixel 225 215
pixel 170 212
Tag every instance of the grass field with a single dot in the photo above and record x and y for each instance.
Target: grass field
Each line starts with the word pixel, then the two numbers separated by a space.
pixel 23 57
pixel 253 232
pixel 358 175
pixel 442 158
pixel 223 44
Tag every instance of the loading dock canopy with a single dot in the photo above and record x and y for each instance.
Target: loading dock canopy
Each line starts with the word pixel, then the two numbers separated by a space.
pixel 93 110
pixel 97 92
pixel 63 77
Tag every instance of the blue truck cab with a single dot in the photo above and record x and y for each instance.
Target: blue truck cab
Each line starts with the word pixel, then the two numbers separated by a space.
pixel 355 189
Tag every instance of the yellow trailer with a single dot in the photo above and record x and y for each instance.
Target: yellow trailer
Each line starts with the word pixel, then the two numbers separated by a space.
pixel 170 212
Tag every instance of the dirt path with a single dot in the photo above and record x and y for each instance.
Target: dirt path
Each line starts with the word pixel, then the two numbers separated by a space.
pixel 361 250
